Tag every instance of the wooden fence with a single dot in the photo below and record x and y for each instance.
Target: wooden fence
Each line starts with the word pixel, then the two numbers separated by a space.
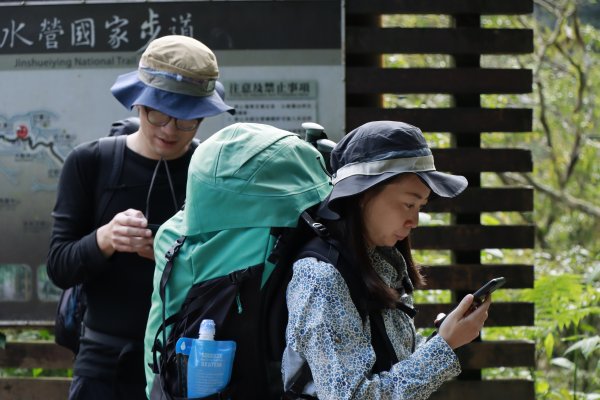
pixel 465 81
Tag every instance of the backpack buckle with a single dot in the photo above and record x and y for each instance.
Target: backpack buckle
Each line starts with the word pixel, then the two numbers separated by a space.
pixel 320 229
pixel 172 252
pixel 317 227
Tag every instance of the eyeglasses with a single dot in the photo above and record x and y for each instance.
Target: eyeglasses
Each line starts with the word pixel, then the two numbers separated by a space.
pixel 160 119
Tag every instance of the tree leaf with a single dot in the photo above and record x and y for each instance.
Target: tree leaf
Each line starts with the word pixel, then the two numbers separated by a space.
pixel 549 345
pixel 542 386
pixel 586 346
pixel 563 363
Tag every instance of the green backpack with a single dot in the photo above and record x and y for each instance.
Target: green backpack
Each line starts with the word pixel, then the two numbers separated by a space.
pixel 248 187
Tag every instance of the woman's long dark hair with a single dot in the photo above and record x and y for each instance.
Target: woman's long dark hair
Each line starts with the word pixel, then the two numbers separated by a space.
pixel 349 230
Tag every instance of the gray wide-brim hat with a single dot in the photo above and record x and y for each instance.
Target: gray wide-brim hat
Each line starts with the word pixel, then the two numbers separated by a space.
pixel 177 75
pixel 378 151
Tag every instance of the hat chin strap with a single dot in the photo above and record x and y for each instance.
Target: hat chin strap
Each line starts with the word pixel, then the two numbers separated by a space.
pixel 398 165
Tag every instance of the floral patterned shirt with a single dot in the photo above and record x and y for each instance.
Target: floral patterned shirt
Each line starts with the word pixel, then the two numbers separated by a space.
pixel 326 332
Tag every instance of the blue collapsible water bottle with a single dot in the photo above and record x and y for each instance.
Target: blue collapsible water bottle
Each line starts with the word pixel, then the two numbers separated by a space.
pixel 210 362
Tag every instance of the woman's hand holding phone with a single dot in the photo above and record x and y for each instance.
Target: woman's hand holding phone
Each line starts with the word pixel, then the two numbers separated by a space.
pixel 462 326
pixel 470 314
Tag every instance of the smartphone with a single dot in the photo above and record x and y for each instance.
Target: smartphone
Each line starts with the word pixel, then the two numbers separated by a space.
pixel 483 292
pixel 480 296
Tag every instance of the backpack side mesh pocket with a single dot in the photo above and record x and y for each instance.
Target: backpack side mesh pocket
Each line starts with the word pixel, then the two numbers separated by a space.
pixel 233 302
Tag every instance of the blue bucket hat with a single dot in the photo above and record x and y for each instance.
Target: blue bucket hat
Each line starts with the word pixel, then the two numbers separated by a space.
pixel 378 151
pixel 177 75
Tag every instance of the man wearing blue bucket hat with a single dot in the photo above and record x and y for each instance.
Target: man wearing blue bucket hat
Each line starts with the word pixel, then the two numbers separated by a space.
pixel 108 245
pixel 350 332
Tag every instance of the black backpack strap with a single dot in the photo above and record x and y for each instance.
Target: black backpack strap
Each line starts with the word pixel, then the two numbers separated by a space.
pixel 170 256
pixel 326 249
pixel 158 364
pixel 164 279
pixel 157 346
pixel 385 355
pixel 112 154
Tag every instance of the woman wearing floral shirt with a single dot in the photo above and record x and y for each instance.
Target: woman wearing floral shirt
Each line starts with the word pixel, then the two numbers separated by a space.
pixel 383 175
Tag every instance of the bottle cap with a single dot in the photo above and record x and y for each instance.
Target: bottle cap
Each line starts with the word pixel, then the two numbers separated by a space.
pixel 207 330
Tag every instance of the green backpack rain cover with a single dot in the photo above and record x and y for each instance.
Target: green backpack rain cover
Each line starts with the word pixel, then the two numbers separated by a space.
pixel 246 184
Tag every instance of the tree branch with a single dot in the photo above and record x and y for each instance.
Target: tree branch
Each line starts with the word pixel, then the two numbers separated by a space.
pixel 550 6
pixel 577 143
pixel 580 74
pixel 582 84
pixel 550 40
pixel 566 11
pixel 541 227
pixel 560 196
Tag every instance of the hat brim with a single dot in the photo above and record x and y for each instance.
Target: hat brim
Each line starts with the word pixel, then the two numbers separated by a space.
pixel 441 184
pixel 131 91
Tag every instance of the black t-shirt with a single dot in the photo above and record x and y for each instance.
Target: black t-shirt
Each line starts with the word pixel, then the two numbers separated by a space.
pixel 118 289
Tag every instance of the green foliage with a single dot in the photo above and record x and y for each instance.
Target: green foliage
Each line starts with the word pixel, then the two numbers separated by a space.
pixel 30 335
pixel 567 310
pixel 561 301
pixel 565 145
pixel 35 372
pixel 587 347
pixel 564 142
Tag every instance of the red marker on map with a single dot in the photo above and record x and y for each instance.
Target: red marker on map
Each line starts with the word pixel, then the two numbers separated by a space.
pixel 22 132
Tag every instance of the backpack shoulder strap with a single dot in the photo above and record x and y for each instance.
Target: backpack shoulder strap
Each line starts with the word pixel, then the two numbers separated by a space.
pixel 325 249
pixel 112 153
pixel 72 304
pixel 164 279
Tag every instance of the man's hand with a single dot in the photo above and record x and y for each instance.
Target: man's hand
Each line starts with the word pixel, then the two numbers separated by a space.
pixel 127 232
